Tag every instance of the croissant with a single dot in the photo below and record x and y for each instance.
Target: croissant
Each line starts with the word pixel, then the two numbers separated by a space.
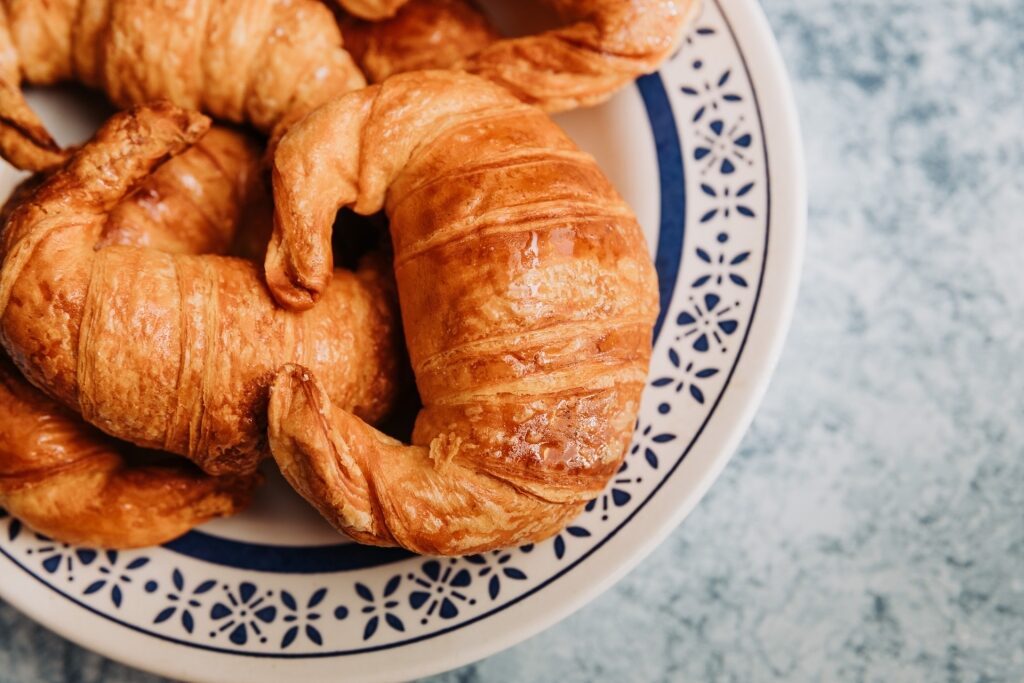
pixel 171 351
pixel 527 297
pixel 424 34
pixel 603 45
pixel 65 478
pixel 263 62
pixel 77 485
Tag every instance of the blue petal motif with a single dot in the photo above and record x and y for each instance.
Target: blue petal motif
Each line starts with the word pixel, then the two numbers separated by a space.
pixel 394 622
pixel 448 609
pixel 739 258
pixel 267 614
pixel 432 569
pixel 165 615
pixel 239 636
pixel 651 457
pixel 461 579
pixel 289 637
pixel 246 590
pixel 371 628
pixel 316 598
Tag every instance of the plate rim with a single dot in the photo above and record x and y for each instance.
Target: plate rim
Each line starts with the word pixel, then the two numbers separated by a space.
pixel 770 324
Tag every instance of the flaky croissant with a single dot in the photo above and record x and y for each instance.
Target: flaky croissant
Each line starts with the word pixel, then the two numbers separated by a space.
pixel 73 483
pixel 171 351
pixel 65 478
pixel 528 300
pixel 603 45
pixel 263 62
pixel 424 34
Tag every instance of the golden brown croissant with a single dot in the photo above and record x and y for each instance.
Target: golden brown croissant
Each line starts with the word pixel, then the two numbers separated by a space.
pixel 528 300
pixel 171 351
pixel 424 34
pixel 65 478
pixel 603 45
pixel 262 62
pixel 73 483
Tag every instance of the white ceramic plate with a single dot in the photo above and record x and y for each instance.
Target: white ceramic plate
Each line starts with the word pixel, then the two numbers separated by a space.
pixel 707 152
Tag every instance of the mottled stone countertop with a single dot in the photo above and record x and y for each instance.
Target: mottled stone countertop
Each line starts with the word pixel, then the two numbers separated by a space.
pixel 871 526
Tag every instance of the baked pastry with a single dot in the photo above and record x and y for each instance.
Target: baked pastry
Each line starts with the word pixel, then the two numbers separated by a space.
pixel 263 62
pixel 172 351
pixel 75 484
pixel 602 46
pixel 424 34
pixel 528 300
pixel 65 478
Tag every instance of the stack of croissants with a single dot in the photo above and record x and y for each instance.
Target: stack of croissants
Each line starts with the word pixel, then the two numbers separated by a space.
pixel 170 311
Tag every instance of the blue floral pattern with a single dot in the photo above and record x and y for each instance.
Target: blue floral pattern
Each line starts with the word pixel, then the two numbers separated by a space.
pixel 244 611
pixel 189 601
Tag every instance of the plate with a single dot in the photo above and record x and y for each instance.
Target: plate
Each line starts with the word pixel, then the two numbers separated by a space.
pixel 707 152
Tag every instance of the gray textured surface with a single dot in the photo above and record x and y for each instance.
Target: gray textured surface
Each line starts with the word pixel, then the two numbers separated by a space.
pixel 871 528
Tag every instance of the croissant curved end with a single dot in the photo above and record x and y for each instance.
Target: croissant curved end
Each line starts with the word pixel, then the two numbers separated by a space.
pixel 317 464
pixel 289 289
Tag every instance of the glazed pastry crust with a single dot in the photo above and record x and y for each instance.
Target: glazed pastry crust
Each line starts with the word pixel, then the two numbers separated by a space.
pixel 179 359
pixel 527 297
pixel 601 46
pixel 263 62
